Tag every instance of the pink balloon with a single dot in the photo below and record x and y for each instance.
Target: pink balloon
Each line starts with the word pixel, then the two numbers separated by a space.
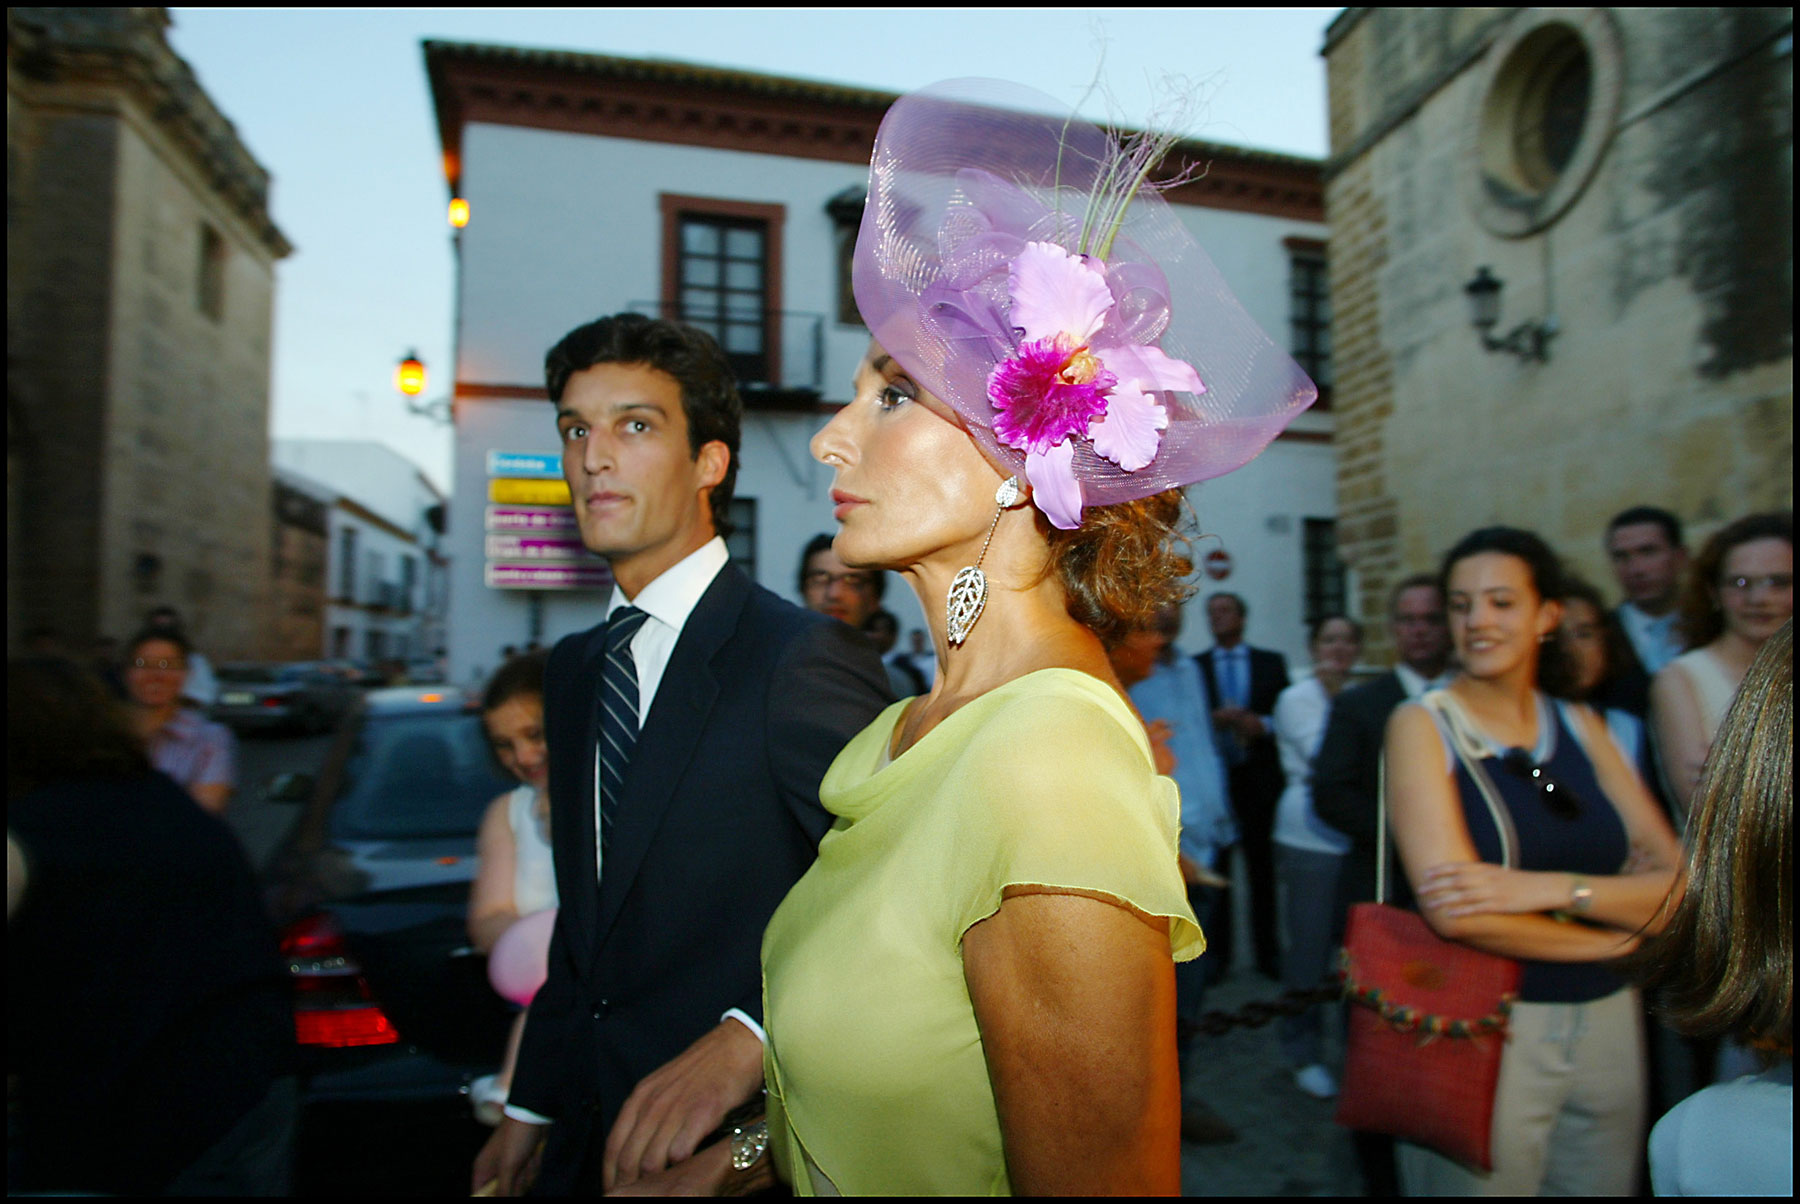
pixel 519 963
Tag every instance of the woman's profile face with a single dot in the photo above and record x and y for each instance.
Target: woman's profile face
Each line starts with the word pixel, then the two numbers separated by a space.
pixel 1756 588
pixel 910 483
pixel 1583 636
pixel 515 728
pixel 1497 618
pixel 1336 648
pixel 155 674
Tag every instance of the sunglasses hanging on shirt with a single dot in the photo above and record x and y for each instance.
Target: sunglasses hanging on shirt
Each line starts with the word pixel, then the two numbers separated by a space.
pixel 1561 801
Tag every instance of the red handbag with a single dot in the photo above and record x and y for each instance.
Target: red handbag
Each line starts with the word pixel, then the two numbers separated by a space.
pixel 1428 1020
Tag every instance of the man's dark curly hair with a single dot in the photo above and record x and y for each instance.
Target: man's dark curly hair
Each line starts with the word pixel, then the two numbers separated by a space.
pixel 709 396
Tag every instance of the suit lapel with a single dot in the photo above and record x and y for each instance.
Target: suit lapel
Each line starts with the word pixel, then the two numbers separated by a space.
pixel 574 773
pixel 1205 660
pixel 668 739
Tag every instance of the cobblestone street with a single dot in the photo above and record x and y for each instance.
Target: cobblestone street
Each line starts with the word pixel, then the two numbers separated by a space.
pixel 1287 1144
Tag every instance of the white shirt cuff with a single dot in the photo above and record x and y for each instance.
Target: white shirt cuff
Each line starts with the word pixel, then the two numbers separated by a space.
pixel 514 1112
pixel 739 1015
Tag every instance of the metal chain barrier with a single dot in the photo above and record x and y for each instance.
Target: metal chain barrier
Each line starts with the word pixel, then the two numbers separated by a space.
pixel 1260 1012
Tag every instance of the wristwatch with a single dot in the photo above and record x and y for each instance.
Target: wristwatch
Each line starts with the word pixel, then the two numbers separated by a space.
pixel 748 1144
pixel 1581 895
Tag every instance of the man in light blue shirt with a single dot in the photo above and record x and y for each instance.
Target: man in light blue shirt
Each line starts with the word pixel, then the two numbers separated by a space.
pixel 1168 692
pixel 1647 554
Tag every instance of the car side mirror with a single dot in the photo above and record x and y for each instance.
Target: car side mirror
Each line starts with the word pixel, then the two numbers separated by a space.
pixel 289 788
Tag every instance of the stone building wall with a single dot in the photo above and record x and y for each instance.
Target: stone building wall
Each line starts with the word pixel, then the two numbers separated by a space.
pixel 298 559
pixel 1663 250
pixel 138 376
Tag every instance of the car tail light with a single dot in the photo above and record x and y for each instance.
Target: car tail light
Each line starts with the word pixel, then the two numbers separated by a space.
pixel 333 1005
pixel 273 700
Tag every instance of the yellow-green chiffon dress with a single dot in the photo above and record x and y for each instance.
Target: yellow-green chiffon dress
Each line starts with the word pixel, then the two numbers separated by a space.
pixel 877 1083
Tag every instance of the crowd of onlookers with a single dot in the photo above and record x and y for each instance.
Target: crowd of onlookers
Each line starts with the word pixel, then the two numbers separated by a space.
pixel 1502 646
pixel 1666 715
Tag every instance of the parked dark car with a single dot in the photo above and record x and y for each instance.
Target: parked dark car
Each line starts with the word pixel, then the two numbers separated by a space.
pixel 303 696
pixel 371 890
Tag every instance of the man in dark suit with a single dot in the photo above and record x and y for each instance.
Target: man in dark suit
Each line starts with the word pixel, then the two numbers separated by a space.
pixel 1648 557
pixel 675 835
pixel 1346 768
pixel 1346 776
pixel 1242 684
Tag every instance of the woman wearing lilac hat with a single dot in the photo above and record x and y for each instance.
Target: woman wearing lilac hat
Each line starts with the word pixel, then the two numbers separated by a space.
pixel 973 990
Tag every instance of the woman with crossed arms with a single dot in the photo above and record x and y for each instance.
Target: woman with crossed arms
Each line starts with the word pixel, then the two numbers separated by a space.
pixel 1595 861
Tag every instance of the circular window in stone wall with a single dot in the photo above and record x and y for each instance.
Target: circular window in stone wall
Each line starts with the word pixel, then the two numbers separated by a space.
pixel 1547 100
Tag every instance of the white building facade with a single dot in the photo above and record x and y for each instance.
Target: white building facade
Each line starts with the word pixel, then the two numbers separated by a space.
pixel 596 185
pixel 387 575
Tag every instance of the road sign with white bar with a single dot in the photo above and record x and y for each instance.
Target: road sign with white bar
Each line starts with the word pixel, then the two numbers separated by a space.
pixel 545 466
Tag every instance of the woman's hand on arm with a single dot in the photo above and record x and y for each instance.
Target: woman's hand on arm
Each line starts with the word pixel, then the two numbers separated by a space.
pixel 1441 862
pixel 1627 900
pixel 1075 999
pixel 1635 897
pixel 492 908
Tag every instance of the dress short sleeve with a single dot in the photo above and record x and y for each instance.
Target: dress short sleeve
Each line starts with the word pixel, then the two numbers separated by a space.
pixel 1060 791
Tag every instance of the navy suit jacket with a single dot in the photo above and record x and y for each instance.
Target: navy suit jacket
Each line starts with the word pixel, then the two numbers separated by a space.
pixel 1259 780
pixel 1346 784
pixel 720 815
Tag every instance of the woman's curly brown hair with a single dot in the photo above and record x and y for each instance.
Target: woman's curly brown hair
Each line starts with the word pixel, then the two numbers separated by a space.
pixel 1123 564
pixel 1702 620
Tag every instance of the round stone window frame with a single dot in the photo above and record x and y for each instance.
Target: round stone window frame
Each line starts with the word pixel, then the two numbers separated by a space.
pixel 1505 96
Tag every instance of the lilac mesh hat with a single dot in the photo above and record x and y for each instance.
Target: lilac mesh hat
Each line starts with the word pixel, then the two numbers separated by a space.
pixel 1019 267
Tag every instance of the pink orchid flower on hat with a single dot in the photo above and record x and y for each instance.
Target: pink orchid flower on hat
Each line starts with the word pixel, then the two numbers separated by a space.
pixel 1065 380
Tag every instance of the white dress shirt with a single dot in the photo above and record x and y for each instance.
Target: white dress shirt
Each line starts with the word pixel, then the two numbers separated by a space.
pixel 667 601
pixel 1300 715
pixel 1416 683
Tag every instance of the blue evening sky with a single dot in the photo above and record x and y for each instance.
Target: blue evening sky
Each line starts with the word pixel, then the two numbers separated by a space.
pixel 334 103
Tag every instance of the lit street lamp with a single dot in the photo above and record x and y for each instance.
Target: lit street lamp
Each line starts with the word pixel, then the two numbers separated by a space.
pixel 409 379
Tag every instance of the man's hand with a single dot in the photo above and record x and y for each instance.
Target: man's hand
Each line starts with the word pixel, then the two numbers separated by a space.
pixel 1160 733
pixel 676 1106
pixel 509 1160
pixel 707 1173
pixel 1195 874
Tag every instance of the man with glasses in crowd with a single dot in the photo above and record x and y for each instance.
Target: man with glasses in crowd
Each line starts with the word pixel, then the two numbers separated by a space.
pixel 828 586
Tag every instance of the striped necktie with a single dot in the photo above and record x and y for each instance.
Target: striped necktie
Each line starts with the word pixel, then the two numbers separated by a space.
pixel 618 713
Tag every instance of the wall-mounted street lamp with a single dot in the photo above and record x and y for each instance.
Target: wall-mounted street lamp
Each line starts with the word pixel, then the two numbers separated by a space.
pixel 1528 340
pixel 409 379
pixel 459 212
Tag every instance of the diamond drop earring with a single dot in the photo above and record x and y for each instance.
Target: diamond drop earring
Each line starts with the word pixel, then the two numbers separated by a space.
pixel 969 588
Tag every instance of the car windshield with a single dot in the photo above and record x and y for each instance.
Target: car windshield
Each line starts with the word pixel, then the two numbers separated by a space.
pixel 415 776
pixel 246 674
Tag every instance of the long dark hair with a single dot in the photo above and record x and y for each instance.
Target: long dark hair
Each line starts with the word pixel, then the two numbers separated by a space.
pixel 1548 578
pixel 62 724
pixel 1725 961
pixel 1612 637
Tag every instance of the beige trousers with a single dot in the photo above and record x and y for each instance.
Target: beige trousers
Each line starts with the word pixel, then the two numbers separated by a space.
pixel 1568 1110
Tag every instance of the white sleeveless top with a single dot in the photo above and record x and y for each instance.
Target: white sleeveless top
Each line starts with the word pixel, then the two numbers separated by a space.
pixel 1712 685
pixel 534 875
